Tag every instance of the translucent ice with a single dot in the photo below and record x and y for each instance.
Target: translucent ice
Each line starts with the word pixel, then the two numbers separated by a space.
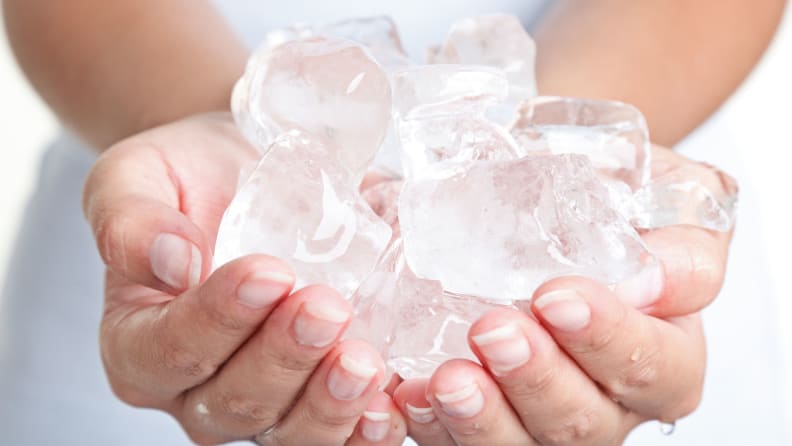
pixel 383 198
pixel 501 228
pixel 440 116
pixel 414 323
pixel 378 34
pixel 300 206
pixel 496 40
pixel 443 90
pixel 692 194
pixel 612 134
pixel 328 87
pixel 485 213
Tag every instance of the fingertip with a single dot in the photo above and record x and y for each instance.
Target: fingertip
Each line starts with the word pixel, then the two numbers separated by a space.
pixel 500 340
pixel 356 370
pixel 643 289
pixel 410 396
pixel 382 420
pixel 456 388
pixel 694 262
pixel 176 261
pixel 256 282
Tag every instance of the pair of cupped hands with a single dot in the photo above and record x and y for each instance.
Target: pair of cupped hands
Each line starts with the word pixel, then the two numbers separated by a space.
pixel 238 354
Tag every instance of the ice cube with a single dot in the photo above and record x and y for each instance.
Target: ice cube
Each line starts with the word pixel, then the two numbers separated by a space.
pixel 301 206
pixel 500 228
pixel 495 40
pixel 612 134
pixel 691 194
pixel 328 87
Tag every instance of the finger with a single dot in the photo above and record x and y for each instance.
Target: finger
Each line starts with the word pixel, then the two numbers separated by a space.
pixel 153 352
pixel 132 204
pixel 471 406
pixel 258 385
pixel 556 401
pixel 694 265
pixel 334 399
pixel 381 424
pixel 651 366
pixel 422 424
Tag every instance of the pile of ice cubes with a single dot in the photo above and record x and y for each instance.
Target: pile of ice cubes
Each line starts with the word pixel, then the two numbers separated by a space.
pixel 485 190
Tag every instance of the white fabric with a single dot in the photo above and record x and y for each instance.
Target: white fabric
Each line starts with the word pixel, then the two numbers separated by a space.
pixel 52 388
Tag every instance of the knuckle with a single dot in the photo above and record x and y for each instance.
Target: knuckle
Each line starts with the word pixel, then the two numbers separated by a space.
pixel 224 320
pixel 336 421
pixel 641 374
pixel 532 385
pixel 292 364
pixel 577 428
pixel 247 411
pixel 185 361
pixel 601 341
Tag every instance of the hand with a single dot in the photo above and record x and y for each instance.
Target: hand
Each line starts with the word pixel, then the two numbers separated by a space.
pixel 591 365
pixel 229 354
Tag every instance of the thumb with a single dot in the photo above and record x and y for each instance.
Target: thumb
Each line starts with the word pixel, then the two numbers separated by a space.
pixel 132 202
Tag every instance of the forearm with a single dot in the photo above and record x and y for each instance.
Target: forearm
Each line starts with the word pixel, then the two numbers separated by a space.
pixel 677 60
pixel 110 69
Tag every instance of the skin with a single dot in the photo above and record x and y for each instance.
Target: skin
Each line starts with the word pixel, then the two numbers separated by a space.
pixel 190 349
pixel 591 384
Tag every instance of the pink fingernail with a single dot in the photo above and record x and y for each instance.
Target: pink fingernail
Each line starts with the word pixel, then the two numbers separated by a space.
pixel 349 378
pixel 421 415
pixel 318 324
pixel 464 402
pixel 263 288
pixel 505 348
pixel 644 288
pixel 175 261
pixel 564 309
pixel 375 425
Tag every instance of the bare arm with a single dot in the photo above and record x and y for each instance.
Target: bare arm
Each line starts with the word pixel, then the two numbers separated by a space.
pixel 110 69
pixel 677 60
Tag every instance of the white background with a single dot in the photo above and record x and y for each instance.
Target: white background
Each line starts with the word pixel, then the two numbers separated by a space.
pixel 759 117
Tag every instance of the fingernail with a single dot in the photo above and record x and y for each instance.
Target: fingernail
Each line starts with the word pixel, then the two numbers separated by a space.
pixel 175 261
pixel 262 288
pixel 504 348
pixel 318 324
pixel 349 378
pixel 564 309
pixel 421 415
pixel 644 288
pixel 462 403
pixel 375 425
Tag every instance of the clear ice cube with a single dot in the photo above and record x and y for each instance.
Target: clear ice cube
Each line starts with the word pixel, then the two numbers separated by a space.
pixel 692 194
pixel 413 322
pixel 498 41
pixel 328 87
pixel 612 134
pixel 440 116
pixel 300 206
pixel 500 228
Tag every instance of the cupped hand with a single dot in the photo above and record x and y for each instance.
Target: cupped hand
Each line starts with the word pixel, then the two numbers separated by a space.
pixel 231 354
pixel 586 363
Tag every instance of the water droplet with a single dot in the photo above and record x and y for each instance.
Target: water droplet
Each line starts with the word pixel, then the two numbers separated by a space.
pixel 667 428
